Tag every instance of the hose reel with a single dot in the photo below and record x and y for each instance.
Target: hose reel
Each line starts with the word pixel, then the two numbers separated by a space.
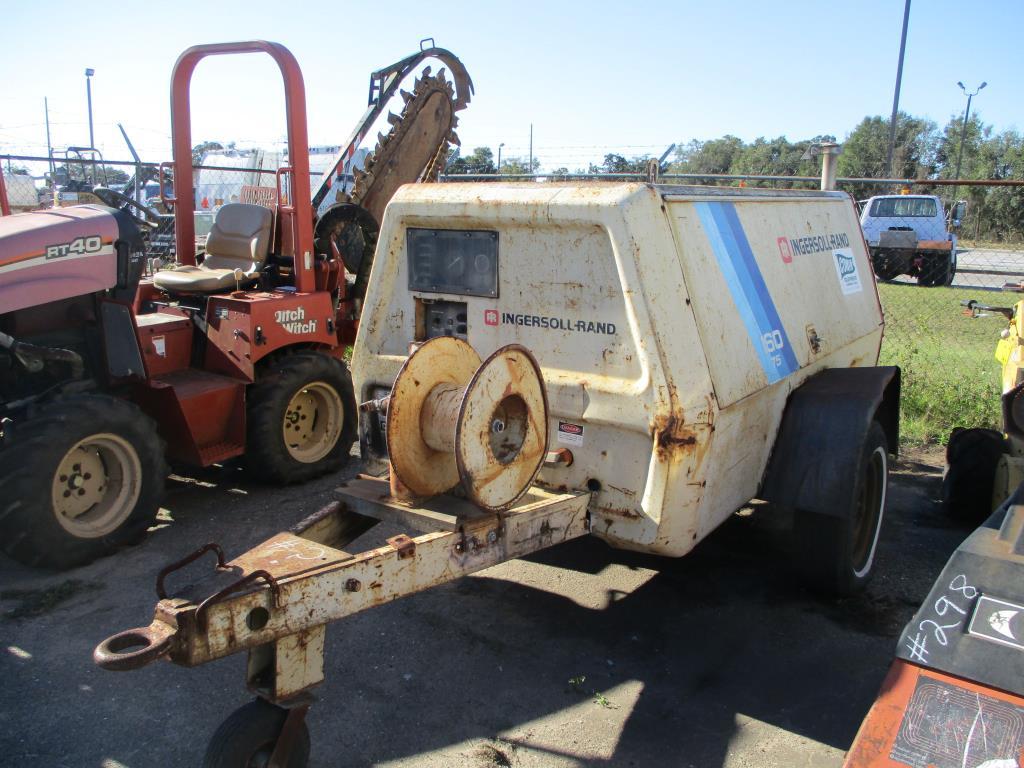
pixel 452 420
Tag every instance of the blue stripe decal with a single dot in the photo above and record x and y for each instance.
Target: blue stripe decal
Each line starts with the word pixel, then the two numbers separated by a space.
pixel 748 289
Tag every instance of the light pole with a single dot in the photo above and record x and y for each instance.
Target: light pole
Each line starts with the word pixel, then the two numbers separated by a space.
pixel 896 92
pixel 88 95
pixel 967 116
pixel 499 155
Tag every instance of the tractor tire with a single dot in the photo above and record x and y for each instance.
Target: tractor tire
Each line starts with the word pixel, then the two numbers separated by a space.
pixel 301 418
pixel 248 737
pixel 838 551
pixel 79 478
pixel 971 459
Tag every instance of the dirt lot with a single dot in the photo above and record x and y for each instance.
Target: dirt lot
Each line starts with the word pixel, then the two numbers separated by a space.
pixel 718 659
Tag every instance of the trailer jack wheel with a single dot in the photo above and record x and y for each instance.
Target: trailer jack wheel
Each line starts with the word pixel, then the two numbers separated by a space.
pixel 260 735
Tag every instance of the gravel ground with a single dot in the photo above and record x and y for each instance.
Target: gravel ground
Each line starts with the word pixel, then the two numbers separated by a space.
pixel 581 655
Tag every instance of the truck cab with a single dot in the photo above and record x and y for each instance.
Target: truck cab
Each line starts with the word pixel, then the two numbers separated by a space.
pixel 908 235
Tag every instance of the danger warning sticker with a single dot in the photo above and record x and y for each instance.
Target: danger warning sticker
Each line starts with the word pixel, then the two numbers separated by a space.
pixel 570 434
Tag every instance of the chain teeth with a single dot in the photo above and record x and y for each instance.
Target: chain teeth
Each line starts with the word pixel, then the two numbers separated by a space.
pixel 423 86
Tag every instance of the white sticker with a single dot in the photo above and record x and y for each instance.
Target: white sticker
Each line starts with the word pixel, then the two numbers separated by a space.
pixel 570 434
pixel 160 346
pixel 846 269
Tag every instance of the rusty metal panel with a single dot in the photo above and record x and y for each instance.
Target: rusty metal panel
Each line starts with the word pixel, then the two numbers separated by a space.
pixel 669 409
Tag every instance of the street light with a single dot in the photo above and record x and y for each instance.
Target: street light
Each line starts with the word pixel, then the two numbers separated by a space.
pixel 963 131
pixel 88 95
pixel 499 155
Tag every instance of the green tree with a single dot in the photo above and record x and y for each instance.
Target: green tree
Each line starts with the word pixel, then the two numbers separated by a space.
pixel 519 165
pixel 480 161
pixel 714 156
pixel 866 148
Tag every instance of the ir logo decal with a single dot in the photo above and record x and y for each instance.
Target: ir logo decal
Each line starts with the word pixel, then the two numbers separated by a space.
pixel 784 251
pixel 490 317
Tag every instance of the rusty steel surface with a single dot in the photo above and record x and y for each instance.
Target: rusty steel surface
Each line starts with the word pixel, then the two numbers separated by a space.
pixel 291 585
pixel 416 146
pixel 444 361
pixel 502 435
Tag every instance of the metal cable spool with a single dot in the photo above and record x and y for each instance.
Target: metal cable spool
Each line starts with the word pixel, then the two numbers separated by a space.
pixel 452 420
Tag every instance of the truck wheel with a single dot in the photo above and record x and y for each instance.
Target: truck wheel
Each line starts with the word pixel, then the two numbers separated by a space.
pixel 78 480
pixel 936 271
pixel 888 265
pixel 248 737
pixel 971 459
pixel 838 551
pixel 301 418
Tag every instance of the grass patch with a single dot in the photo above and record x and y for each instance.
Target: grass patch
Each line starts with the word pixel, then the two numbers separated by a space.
pixel 950 375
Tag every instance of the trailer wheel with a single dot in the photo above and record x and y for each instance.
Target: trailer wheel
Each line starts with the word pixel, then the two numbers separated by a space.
pixel 248 737
pixel 78 479
pixel 972 456
pixel 301 418
pixel 838 551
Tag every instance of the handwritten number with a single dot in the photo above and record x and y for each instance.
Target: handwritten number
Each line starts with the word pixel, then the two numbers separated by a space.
pixel 959 584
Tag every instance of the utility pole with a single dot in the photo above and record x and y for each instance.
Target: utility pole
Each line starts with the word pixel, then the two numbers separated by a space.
pixel 531 148
pixel 896 94
pixel 88 95
pixel 49 146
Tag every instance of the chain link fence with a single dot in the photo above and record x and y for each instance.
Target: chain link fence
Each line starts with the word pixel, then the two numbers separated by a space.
pixel 925 265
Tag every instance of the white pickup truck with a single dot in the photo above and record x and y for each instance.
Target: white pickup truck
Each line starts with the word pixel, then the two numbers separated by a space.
pixel 908 235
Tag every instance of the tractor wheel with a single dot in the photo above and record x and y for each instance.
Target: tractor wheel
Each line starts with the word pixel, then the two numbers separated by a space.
pixel 301 418
pixel 971 459
pixel 838 551
pixel 79 478
pixel 248 737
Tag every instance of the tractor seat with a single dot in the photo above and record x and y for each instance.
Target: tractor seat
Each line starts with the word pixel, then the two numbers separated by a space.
pixel 239 239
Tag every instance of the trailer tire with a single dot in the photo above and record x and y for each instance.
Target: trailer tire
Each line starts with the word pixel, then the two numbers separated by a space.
pixel 838 551
pixel 107 495
pixel 972 456
pixel 247 738
pixel 301 420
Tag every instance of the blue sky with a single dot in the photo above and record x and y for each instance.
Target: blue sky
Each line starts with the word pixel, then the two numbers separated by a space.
pixel 592 77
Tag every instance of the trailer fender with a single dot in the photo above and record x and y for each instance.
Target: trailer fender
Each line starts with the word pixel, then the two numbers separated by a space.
pixel 822 431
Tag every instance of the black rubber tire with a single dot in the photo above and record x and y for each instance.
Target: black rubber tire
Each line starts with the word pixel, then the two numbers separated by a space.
pixel 247 738
pixel 887 266
pixel 838 551
pixel 935 271
pixel 266 454
pixel 971 459
pixel 33 448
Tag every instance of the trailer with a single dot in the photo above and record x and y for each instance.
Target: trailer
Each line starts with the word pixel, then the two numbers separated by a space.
pixel 539 362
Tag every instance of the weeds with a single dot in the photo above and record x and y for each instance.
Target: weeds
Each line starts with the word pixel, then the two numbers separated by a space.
pixel 950 377
pixel 576 684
